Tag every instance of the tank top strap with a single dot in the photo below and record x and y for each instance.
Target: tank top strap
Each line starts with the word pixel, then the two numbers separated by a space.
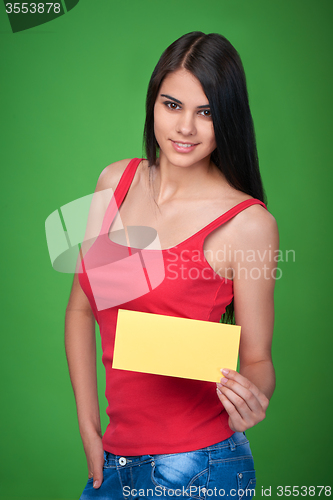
pixel 203 233
pixel 120 193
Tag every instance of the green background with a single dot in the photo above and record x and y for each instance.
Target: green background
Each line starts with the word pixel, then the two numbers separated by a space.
pixel 72 102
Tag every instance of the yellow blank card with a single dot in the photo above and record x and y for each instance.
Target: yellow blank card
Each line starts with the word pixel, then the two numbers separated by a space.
pixel 178 347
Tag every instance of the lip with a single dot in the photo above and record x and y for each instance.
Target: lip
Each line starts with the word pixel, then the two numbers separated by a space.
pixel 183 149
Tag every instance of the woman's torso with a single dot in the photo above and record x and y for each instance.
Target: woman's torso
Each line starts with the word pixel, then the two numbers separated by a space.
pixel 151 413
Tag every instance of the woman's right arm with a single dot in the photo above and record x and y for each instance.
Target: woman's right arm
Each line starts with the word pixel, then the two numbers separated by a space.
pixel 80 344
pixel 80 340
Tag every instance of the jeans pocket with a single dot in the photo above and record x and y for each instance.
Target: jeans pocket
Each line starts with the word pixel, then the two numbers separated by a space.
pixel 246 482
pixel 182 474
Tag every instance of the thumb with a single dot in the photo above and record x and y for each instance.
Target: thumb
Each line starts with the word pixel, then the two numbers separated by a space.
pixel 98 476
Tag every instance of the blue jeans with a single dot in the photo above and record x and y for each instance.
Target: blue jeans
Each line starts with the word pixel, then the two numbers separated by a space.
pixel 224 470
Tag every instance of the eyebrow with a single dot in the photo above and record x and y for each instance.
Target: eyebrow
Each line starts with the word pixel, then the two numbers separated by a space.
pixel 179 102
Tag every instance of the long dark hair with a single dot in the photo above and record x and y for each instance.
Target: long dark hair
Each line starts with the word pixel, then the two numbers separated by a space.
pixel 216 64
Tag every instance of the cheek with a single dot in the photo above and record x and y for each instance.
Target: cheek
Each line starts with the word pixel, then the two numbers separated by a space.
pixel 156 129
pixel 158 121
pixel 163 124
pixel 210 138
pixel 157 132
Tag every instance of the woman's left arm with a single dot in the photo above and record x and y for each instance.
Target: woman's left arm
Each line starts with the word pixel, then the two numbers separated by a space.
pixel 245 395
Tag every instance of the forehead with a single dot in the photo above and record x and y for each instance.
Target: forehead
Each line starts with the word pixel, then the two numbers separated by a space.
pixel 184 86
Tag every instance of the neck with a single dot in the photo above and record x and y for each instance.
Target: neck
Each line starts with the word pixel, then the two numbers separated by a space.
pixel 173 181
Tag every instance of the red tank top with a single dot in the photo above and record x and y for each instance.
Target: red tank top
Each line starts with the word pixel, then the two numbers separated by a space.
pixel 153 414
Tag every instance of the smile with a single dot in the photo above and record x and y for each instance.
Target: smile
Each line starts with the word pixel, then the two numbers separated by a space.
pixel 183 147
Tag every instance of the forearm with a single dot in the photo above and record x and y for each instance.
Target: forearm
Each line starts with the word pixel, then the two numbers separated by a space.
pixel 261 374
pixel 80 344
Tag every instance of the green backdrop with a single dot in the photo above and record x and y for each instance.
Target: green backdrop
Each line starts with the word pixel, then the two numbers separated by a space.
pixel 72 102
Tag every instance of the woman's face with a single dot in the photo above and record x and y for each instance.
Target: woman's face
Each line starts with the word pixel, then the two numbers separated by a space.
pixel 182 120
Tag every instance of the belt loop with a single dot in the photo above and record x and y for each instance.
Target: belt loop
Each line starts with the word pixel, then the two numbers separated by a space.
pixel 232 444
pixel 107 458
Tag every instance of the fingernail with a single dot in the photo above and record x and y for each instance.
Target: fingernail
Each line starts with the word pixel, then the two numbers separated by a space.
pixel 224 380
pixel 95 484
pixel 218 390
pixel 225 371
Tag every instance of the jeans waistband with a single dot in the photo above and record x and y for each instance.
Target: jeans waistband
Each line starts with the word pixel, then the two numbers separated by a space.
pixel 111 460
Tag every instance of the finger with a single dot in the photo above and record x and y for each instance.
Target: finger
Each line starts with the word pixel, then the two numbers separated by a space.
pixel 231 407
pixel 237 377
pixel 98 476
pixel 243 381
pixel 239 395
pixel 246 412
pixel 236 422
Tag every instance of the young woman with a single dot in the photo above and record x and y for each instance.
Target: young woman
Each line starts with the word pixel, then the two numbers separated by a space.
pixel 200 190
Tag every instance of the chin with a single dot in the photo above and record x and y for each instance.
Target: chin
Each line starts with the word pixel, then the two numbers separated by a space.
pixel 183 159
pixel 187 160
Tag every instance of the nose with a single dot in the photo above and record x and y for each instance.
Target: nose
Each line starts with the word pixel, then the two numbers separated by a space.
pixel 186 124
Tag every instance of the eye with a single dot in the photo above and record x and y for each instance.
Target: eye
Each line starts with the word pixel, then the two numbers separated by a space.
pixel 206 112
pixel 171 105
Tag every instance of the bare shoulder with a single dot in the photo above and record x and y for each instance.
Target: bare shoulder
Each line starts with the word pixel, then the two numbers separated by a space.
pixel 110 176
pixel 256 225
pixel 104 193
pixel 252 224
